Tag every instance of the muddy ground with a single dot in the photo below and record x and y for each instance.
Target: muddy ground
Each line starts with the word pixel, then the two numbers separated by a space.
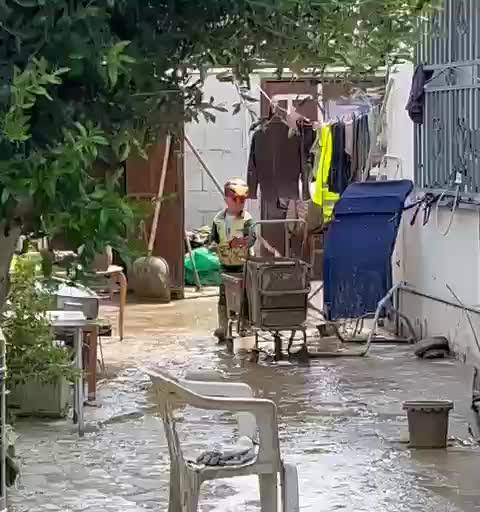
pixel 341 422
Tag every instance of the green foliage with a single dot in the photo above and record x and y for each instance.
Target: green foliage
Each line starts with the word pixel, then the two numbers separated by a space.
pixel 86 83
pixel 27 86
pixel 31 352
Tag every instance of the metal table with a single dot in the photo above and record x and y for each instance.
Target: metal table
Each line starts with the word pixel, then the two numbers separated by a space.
pixel 75 322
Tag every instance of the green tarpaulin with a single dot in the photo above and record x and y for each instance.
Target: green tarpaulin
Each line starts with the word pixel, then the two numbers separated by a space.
pixel 208 268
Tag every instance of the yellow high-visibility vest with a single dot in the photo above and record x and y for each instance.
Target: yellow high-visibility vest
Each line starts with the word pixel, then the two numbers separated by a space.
pixel 322 195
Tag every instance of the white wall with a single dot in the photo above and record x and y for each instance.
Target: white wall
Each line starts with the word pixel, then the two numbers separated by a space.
pixel 424 258
pixel 224 145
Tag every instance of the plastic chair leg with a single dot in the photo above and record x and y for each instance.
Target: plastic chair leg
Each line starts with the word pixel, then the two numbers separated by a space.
pixel 269 492
pixel 191 502
pixel 190 492
pixel 174 498
pixel 290 501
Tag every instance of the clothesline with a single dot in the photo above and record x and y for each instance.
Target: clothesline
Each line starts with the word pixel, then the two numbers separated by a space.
pixel 294 116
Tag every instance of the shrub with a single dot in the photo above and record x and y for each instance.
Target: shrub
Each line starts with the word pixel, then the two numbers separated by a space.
pixel 32 353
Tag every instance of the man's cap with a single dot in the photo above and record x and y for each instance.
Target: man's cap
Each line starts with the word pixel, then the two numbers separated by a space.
pixel 236 187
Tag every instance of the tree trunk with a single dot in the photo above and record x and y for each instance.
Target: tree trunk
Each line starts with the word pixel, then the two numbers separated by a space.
pixel 7 250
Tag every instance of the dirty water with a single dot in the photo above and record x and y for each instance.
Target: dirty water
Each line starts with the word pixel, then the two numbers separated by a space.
pixel 340 421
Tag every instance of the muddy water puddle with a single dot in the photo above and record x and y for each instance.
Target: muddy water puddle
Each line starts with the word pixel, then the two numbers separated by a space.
pixel 340 420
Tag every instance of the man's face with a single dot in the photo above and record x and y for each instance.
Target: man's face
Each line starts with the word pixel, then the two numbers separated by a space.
pixel 235 204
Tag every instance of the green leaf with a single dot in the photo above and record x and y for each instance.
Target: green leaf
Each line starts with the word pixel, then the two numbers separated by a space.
pixel 5 196
pixel 50 188
pixel 100 140
pixel 249 98
pixel 61 71
pixel 113 74
pixel 124 151
pixel 219 108
pixel 81 129
pixel 41 91
pixel 128 59
pixel 120 46
pixel 103 219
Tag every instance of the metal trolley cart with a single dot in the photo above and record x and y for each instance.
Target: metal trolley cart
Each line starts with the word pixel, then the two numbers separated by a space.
pixel 271 296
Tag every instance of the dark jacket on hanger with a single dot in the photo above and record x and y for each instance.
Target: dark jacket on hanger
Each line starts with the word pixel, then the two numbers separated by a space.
pixel 307 135
pixel 416 101
pixel 361 146
pixel 340 172
pixel 277 161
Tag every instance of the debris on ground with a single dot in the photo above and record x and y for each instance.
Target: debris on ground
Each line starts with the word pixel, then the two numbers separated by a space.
pixel 198 237
pixel 242 453
pixel 435 347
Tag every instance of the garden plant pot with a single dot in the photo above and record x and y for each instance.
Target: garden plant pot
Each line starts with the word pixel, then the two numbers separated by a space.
pixel 51 400
pixel 428 423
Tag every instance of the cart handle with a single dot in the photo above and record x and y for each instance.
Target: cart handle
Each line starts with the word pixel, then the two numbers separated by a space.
pixel 279 221
pixel 286 222
pixel 277 293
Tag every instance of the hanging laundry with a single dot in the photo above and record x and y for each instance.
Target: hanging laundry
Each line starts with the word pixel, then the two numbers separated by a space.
pixel 349 137
pixel 416 101
pixel 322 196
pixel 361 147
pixel 340 172
pixel 277 163
pixel 307 134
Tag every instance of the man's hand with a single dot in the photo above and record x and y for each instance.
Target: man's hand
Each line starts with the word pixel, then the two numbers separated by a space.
pixel 239 243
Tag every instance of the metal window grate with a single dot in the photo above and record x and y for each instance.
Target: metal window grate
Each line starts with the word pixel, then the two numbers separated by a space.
pixel 449 140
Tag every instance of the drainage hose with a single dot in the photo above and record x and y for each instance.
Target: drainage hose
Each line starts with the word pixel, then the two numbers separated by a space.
pixel 380 307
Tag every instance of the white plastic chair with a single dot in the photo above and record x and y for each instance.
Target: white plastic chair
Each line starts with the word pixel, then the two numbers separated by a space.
pixel 255 416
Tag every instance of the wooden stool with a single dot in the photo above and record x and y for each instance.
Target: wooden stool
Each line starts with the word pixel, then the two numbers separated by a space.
pixel 117 276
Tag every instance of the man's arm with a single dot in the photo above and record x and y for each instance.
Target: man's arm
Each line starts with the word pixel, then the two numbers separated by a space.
pixel 249 232
pixel 214 238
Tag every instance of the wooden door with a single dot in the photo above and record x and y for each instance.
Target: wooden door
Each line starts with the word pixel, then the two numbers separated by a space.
pixel 143 177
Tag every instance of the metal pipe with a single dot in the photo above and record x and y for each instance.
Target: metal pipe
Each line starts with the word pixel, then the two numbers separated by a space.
pixel 194 265
pixel 403 286
pixel 204 165
pixel 407 289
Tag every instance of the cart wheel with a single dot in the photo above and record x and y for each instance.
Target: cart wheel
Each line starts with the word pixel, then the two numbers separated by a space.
pixel 230 330
pixel 278 346
pixel 290 341
pixel 302 353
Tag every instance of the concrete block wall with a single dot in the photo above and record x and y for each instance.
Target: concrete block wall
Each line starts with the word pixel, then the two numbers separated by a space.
pixel 224 145
pixel 429 261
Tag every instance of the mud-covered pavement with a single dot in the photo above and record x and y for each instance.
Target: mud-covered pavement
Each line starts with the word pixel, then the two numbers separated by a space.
pixel 340 420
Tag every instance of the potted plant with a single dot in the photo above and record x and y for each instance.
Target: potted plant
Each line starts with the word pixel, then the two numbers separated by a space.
pixel 39 369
